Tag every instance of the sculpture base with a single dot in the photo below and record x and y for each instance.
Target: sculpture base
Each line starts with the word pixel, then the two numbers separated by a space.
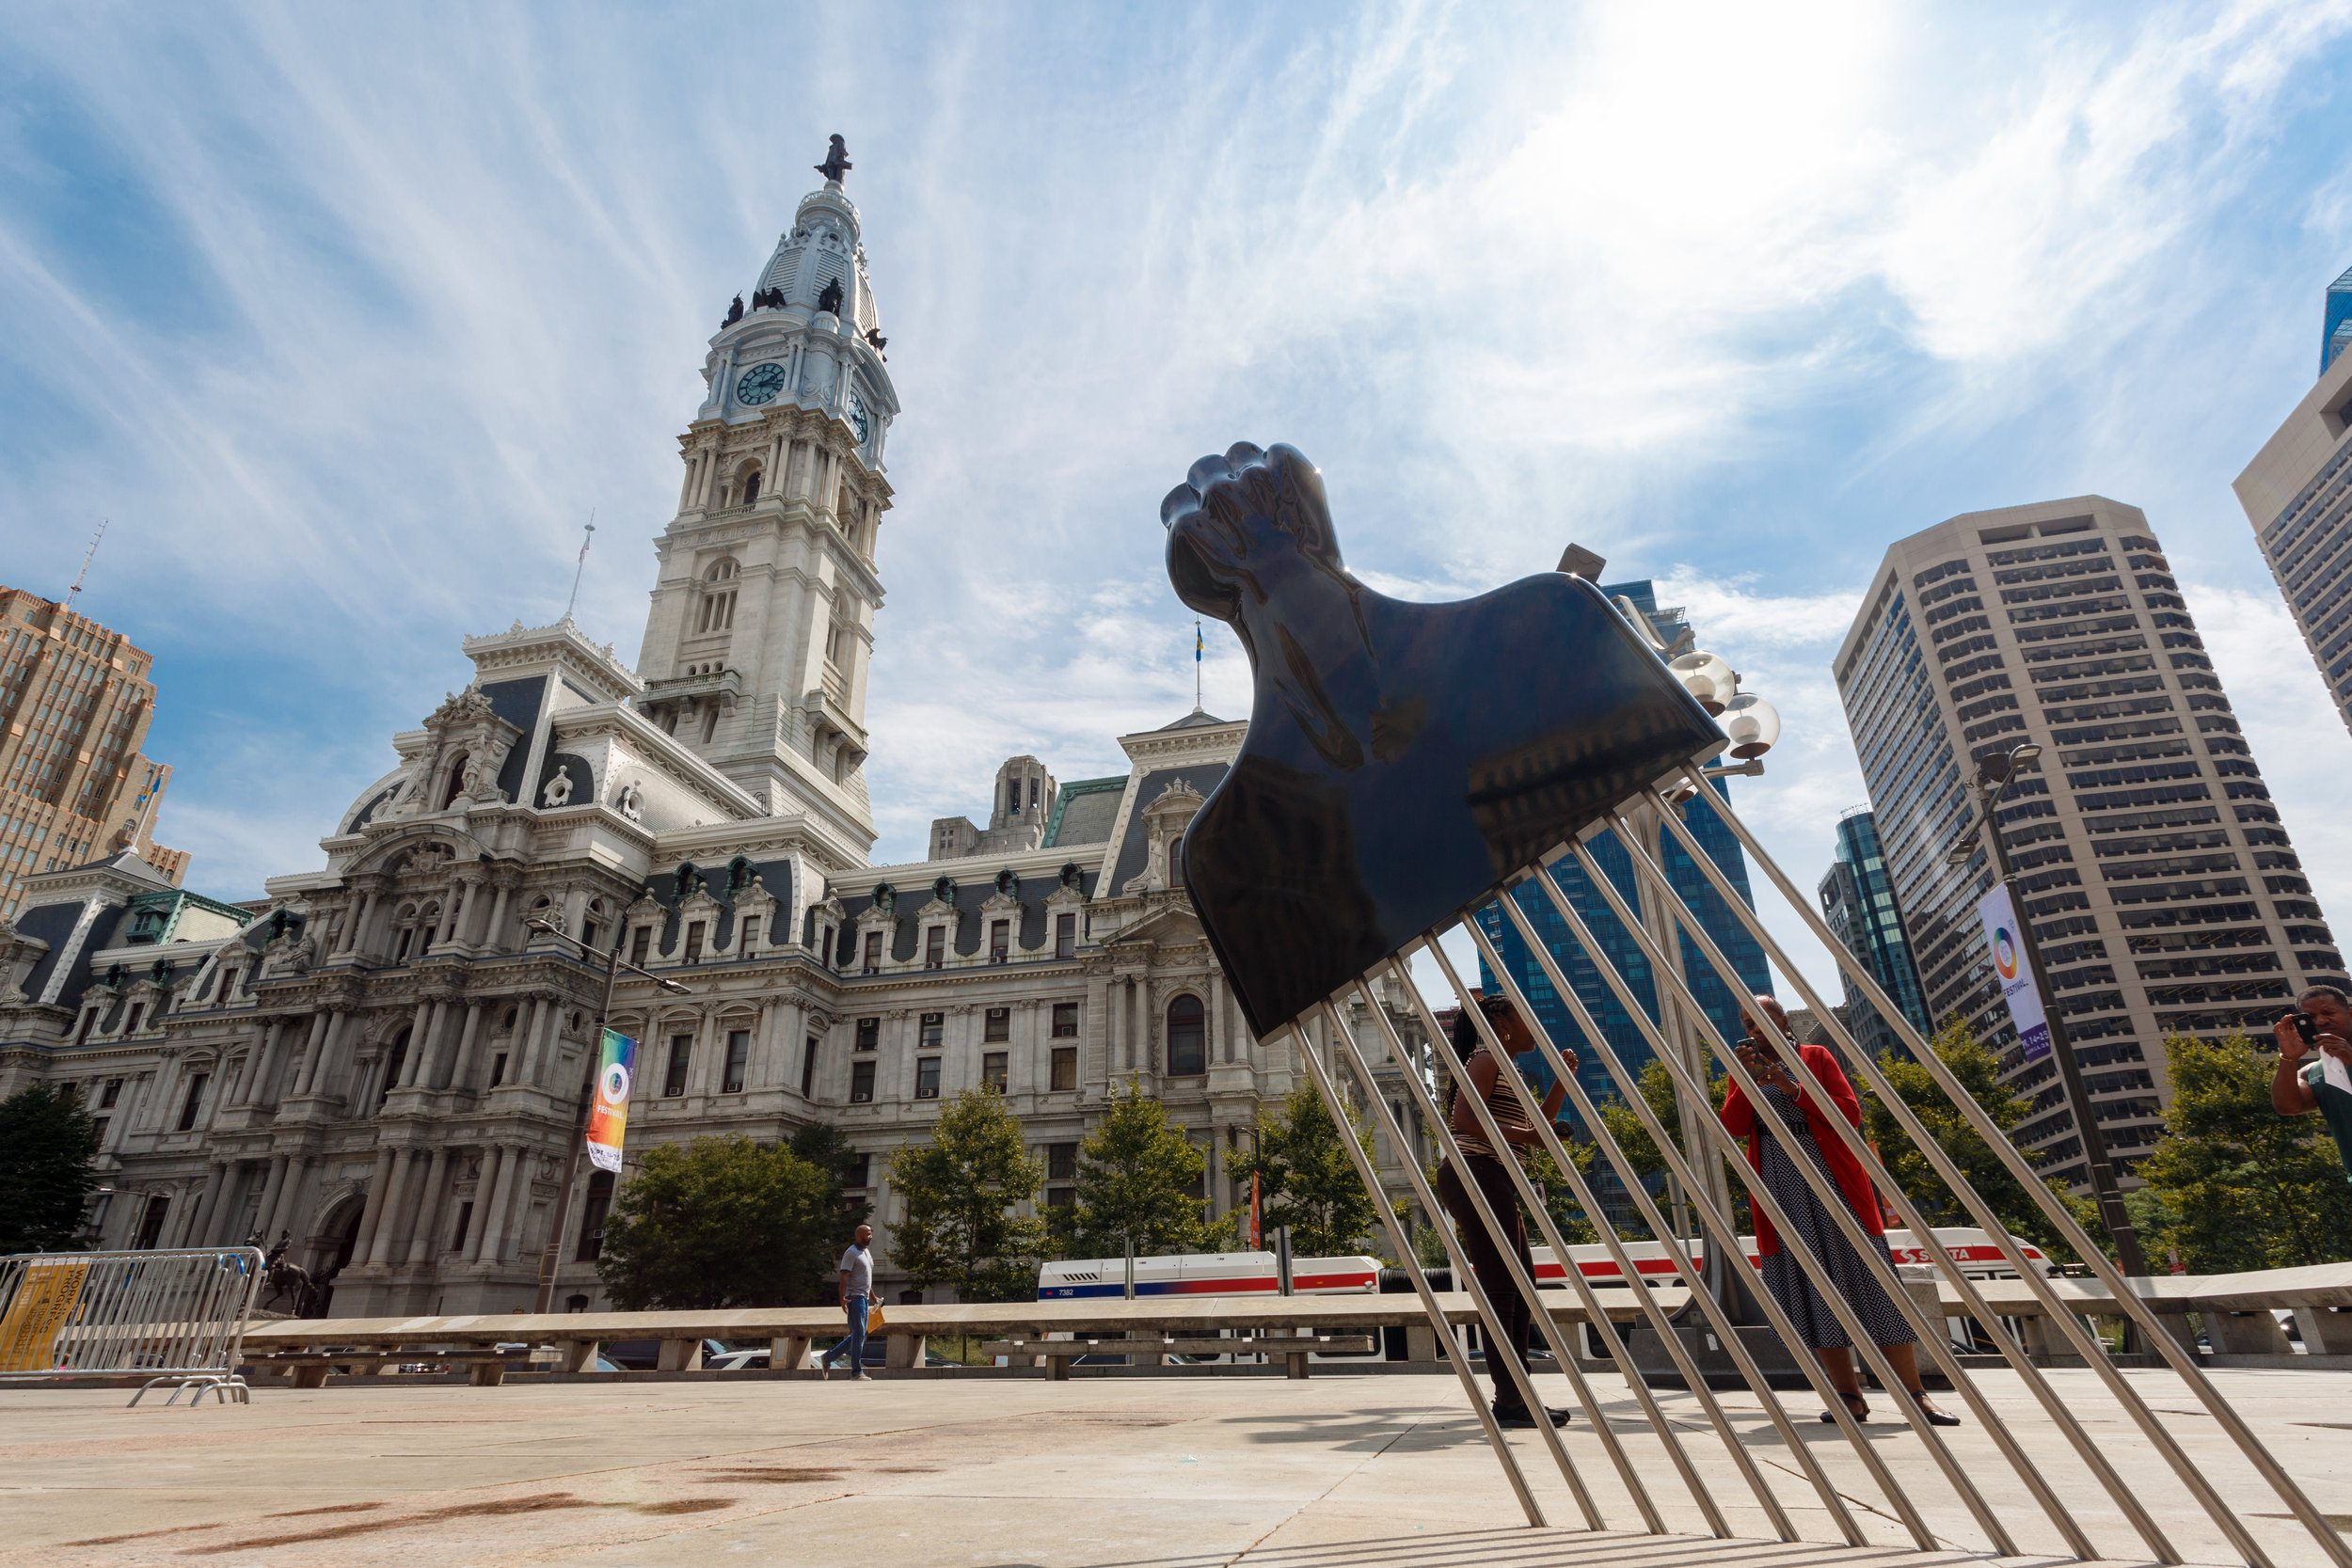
pixel 1714 1363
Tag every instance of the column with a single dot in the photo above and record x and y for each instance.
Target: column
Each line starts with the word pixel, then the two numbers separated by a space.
pixel 281 1217
pixel 526 1045
pixel 513 1204
pixel 324 1026
pixel 489 1198
pixel 428 1206
pixel 200 1233
pixel 496 928
pixel 765 1067
pixel 461 1069
pixel 352 938
pixel 364 1244
pixel 250 1073
pixel 272 1187
pixel 709 1045
pixel 311 1043
pixel 390 1211
pixel 132 1105
pixel 486 1197
pixel 222 1231
pixel 1220 1041
pixel 419 1042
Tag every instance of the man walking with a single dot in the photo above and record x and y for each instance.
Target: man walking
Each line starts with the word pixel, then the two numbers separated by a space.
pixel 2301 1083
pixel 857 1289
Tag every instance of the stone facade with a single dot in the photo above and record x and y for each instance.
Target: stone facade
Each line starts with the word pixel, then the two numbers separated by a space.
pixel 383 1062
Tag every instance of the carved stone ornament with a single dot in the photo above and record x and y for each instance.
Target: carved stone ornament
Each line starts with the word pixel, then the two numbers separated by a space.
pixel 559 790
pixel 632 801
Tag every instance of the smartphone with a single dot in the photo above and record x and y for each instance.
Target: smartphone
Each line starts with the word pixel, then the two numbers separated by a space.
pixel 2308 1027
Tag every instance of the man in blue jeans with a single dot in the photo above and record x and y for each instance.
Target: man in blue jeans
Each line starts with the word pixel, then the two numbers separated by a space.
pixel 857 1289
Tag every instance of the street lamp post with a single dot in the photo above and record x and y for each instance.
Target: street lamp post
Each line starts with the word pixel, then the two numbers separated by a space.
pixel 550 1258
pixel 1992 783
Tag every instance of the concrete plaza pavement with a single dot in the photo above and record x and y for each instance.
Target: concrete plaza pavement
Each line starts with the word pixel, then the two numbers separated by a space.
pixel 1335 1472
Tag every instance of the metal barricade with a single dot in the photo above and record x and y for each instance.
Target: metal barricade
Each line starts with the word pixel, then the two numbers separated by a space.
pixel 174 1316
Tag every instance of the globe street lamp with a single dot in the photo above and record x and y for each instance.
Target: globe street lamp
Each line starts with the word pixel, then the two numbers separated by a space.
pixel 550 1259
pixel 1993 777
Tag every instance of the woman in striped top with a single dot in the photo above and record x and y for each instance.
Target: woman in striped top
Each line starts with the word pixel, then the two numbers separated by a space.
pixel 1484 1164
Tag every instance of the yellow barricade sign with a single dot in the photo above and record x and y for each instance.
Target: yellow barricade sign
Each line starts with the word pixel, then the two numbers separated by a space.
pixel 37 1314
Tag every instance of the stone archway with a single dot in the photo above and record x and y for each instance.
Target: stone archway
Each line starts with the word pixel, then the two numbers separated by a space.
pixel 332 1245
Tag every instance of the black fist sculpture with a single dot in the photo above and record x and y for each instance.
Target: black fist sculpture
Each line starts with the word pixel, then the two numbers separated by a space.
pixel 1403 759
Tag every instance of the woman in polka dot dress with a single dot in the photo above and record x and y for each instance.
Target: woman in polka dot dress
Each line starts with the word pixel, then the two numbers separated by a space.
pixel 1794 1125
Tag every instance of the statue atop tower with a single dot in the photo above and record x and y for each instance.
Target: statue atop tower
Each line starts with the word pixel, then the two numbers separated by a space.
pixel 836 162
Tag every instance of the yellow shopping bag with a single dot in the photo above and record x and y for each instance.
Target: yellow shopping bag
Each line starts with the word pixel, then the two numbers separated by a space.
pixel 874 1319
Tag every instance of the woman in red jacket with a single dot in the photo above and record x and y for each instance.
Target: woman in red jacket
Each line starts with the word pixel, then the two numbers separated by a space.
pixel 1797 1128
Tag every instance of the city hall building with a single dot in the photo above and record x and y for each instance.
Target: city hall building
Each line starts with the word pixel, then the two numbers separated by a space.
pixel 383 1061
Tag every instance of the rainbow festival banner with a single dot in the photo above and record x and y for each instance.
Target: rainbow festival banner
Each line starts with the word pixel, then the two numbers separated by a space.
pixel 2014 971
pixel 608 1117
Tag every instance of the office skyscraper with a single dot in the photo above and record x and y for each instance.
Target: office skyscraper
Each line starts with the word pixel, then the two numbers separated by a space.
pixel 1859 904
pixel 2298 494
pixel 1624 1037
pixel 2335 334
pixel 75 701
pixel 2149 857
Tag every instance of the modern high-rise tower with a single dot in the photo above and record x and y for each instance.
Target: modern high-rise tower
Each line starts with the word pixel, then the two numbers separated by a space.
pixel 75 701
pixel 1624 1036
pixel 2149 857
pixel 2298 494
pixel 1858 902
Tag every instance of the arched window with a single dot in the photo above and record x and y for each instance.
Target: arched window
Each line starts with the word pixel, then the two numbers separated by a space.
pixel 1188 1037
pixel 751 487
pixel 393 1061
pixel 406 921
pixel 592 923
pixel 456 782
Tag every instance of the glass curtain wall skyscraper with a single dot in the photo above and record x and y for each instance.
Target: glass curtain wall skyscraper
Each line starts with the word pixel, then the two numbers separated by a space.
pixel 1858 903
pixel 2149 855
pixel 1623 1035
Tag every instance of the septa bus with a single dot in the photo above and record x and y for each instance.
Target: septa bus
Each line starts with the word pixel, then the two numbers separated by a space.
pixel 1236 1274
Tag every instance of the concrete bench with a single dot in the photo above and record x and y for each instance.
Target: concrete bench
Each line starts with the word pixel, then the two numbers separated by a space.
pixel 1293 1349
pixel 309 1368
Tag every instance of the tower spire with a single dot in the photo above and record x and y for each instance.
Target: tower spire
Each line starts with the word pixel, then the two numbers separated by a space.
pixel 585 539
pixel 86 555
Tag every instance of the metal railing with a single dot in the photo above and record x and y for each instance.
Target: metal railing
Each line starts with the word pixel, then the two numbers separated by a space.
pixel 175 1317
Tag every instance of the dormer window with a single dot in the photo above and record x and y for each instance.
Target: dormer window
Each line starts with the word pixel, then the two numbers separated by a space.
pixel 999 940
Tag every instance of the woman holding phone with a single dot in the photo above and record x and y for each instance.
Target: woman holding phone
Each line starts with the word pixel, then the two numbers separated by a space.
pixel 1793 1125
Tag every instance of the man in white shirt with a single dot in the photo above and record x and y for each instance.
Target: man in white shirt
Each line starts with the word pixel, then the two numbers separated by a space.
pixel 857 1289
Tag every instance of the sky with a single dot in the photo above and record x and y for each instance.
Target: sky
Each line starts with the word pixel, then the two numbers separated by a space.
pixel 346 320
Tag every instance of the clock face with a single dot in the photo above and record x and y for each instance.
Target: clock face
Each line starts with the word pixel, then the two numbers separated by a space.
pixel 760 384
pixel 860 421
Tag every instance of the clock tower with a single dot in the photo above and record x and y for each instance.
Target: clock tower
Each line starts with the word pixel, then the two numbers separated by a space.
pixel 760 633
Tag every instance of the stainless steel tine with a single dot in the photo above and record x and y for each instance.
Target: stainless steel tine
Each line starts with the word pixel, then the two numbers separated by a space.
pixel 1498 1349
pixel 1670 1341
pixel 1555 1335
pixel 1798 1450
pixel 1710 1137
pixel 1971 1298
pixel 1832 1206
pixel 1929 1326
pixel 2127 1300
pixel 1403 1243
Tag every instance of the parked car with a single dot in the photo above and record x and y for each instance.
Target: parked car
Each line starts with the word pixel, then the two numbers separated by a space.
pixel 645 1355
pixel 736 1361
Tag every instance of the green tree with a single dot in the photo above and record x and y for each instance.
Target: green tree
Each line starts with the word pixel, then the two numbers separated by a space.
pixel 1978 1070
pixel 1657 1087
pixel 2241 1186
pixel 823 1146
pixel 722 1222
pixel 1576 1226
pixel 1305 1179
pixel 47 1147
pixel 961 1189
pixel 1137 1173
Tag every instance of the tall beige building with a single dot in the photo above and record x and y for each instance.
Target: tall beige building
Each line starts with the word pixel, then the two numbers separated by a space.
pixel 75 701
pixel 2297 493
pixel 2150 857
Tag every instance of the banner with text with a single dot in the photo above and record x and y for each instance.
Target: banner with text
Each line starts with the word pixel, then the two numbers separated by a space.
pixel 2014 972
pixel 607 1118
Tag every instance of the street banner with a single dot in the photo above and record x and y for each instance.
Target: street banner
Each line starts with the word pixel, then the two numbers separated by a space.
pixel 44 1300
pixel 607 1118
pixel 2014 971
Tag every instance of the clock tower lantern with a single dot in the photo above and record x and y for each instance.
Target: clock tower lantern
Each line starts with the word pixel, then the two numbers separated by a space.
pixel 760 634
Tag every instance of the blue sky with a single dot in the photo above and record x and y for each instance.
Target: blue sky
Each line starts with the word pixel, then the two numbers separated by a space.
pixel 346 319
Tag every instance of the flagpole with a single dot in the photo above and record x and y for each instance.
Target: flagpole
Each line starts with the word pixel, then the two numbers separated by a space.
pixel 587 539
pixel 1196 664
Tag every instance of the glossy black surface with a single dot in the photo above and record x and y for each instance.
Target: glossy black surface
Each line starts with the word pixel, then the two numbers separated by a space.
pixel 1402 758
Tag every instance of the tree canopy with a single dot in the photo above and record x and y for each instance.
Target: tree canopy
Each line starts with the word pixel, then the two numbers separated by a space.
pixel 1979 1071
pixel 1305 1179
pixel 2234 1185
pixel 722 1222
pixel 960 1190
pixel 1136 1172
pixel 48 1147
